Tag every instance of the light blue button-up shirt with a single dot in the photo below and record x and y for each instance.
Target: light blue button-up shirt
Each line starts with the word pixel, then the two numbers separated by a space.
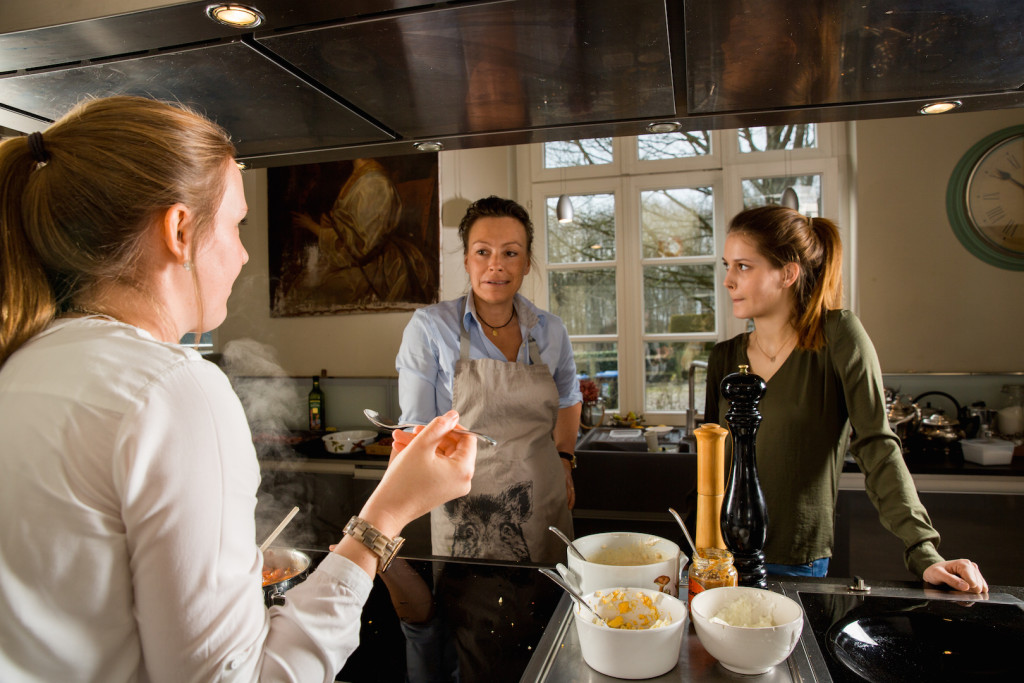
pixel 430 349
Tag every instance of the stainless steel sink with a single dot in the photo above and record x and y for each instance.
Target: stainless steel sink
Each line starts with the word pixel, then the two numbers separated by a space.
pixel 904 634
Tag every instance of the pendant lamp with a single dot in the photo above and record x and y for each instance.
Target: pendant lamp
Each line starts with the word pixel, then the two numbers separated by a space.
pixel 563 210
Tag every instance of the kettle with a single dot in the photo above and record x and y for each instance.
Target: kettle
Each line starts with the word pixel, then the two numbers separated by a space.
pixel 937 431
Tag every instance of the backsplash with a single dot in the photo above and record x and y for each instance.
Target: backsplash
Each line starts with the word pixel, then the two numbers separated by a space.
pixel 965 388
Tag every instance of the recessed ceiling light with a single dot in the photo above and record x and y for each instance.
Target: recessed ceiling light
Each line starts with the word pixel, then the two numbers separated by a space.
pixel 664 127
pixel 939 107
pixel 429 146
pixel 237 16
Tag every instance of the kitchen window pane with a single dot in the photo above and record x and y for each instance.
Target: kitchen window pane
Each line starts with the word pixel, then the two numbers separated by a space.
pixel 677 222
pixel 666 387
pixel 659 146
pixel 763 191
pixel 768 138
pixel 584 299
pixel 679 299
pixel 599 361
pixel 591 234
pixel 568 153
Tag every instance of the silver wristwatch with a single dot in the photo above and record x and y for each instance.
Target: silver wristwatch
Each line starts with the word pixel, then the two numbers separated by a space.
pixel 383 547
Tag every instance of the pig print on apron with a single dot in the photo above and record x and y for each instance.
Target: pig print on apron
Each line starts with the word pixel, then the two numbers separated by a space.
pixel 518 487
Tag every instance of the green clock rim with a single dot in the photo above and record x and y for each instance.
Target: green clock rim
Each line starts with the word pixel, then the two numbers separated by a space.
pixel 956 203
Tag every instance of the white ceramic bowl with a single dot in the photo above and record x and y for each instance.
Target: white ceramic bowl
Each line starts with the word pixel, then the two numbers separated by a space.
pixel 346 442
pixel 655 562
pixel 753 649
pixel 634 654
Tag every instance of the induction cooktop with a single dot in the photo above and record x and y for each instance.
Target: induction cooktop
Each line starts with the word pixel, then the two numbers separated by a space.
pixel 904 634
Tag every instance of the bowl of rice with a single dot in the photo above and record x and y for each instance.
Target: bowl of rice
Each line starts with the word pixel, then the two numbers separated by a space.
pixel 640 636
pixel 748 630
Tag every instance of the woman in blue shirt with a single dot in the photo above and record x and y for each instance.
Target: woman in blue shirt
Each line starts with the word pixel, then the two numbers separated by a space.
pixel 507 366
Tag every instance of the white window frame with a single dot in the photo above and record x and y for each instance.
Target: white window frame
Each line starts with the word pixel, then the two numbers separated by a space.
pixel 626 177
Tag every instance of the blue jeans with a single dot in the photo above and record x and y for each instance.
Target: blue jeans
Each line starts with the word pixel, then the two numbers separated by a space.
pixel 817 568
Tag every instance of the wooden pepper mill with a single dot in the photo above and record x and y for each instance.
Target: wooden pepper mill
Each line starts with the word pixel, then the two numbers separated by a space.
pixel 710 484
pixel 744 513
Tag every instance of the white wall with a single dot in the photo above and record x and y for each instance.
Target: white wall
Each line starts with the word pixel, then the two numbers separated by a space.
pixel 928 304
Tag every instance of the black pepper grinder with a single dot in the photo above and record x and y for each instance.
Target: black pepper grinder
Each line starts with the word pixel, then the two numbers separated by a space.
pixel 744 513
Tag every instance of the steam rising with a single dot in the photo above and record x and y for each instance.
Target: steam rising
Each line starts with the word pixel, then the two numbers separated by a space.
pixel 274 404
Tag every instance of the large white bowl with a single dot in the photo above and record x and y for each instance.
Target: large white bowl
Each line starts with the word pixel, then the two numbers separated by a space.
pixel 658 570
pixel 633 654
pixel 346 442
pixel 747 650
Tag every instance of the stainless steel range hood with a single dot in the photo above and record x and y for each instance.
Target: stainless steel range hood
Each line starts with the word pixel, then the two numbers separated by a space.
pixel 322 80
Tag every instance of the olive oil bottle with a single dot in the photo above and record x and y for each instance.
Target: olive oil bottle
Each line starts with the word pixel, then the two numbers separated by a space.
pixel 316 407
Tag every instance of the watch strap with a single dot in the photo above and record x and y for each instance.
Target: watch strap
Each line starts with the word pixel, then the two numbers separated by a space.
pixel 383 547
pixel 571 457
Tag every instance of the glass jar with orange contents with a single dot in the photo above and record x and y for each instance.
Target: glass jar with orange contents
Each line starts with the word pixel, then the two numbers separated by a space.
pixel 711 568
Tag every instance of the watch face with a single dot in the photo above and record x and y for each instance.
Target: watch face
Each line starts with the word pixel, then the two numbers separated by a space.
pixel 994 196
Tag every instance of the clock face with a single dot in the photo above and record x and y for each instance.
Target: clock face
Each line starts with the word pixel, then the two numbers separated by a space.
pixel 985 199
pixel 995 196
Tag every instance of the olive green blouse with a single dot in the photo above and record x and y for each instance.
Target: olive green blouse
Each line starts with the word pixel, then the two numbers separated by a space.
pixel 812 404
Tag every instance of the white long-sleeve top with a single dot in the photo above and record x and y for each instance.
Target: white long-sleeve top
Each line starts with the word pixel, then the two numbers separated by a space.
pixel 127 532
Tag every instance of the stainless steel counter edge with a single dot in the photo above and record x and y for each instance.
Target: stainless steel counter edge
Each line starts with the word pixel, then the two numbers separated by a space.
pixel 360 469
pixel 946 483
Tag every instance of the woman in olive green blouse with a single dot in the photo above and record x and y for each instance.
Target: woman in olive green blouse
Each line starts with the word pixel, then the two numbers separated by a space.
pixel 824 397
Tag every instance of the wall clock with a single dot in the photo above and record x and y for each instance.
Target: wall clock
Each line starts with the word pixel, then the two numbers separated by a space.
pixel 985 199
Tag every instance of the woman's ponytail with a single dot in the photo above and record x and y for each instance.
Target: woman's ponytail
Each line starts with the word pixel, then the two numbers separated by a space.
pixel 27 302
pixel 823 269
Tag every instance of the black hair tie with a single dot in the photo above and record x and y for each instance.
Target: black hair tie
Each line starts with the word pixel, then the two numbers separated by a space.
pixel 37 148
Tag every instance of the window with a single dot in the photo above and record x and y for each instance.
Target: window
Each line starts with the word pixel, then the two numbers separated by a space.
pixel 636 275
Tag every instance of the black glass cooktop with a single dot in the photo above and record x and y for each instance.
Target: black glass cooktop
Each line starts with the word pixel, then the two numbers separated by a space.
pixel 884 638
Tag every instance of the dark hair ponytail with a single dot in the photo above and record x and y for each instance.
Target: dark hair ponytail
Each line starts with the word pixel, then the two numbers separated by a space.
pixel 783 235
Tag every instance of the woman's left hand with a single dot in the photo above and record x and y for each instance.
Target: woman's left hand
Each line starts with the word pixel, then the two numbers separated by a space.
pixel 570 490
pixel 963 575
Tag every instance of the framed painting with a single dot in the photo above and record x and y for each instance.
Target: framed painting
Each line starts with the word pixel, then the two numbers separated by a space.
pixel 354 236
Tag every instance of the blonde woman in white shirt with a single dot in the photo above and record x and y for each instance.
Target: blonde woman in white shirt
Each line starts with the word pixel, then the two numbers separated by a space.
pixel 127 535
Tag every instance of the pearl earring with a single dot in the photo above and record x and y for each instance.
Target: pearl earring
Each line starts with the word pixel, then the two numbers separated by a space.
pixel 187 265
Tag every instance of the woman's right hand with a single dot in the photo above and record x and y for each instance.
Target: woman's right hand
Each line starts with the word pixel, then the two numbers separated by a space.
pixel 427 468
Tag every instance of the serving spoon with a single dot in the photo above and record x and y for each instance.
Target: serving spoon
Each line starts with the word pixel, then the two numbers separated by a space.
pixel 565 539
pixel 387 423
pixel 557 578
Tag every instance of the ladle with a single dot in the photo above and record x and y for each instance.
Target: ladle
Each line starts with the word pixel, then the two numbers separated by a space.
pixel 679 520
pixel 557 578
pixel 280 527
pixel 387 423
pixel 565 539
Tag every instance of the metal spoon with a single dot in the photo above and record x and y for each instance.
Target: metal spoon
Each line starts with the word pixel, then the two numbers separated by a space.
pixel 565 539
pixel 387 423
pixel 557 578
pixel 686 533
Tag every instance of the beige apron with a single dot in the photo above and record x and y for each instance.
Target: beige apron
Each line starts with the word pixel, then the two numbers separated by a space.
pixel 518 486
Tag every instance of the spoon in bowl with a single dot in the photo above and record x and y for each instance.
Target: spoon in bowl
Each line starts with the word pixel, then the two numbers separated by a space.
pixel 387 423
pixel 565 539
pixel 679 520
pixel 577 598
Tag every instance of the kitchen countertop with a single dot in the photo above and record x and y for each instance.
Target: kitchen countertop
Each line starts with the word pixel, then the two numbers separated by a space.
pixel 504 622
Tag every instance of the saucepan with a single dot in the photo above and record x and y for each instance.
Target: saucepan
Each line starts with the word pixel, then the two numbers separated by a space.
pixel 283 568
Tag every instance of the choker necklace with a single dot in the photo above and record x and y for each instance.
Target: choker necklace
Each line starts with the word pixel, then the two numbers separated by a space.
pixel 494 330
pixel 772 356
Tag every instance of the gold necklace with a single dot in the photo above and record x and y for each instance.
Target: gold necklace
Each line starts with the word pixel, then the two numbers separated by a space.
pixel 81 310
pixel 772 356
pixel 494 330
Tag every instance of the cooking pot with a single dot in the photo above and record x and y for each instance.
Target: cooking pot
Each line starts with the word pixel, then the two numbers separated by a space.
pixel 904 417
pixel 283 568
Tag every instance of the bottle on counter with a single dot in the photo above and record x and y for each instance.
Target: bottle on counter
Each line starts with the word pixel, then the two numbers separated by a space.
pixel 711 568
pixel 316 407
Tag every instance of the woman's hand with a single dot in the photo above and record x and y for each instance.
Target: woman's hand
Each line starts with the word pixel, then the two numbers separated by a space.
pixel 427 468
pixel 570 489
pixel 963 575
